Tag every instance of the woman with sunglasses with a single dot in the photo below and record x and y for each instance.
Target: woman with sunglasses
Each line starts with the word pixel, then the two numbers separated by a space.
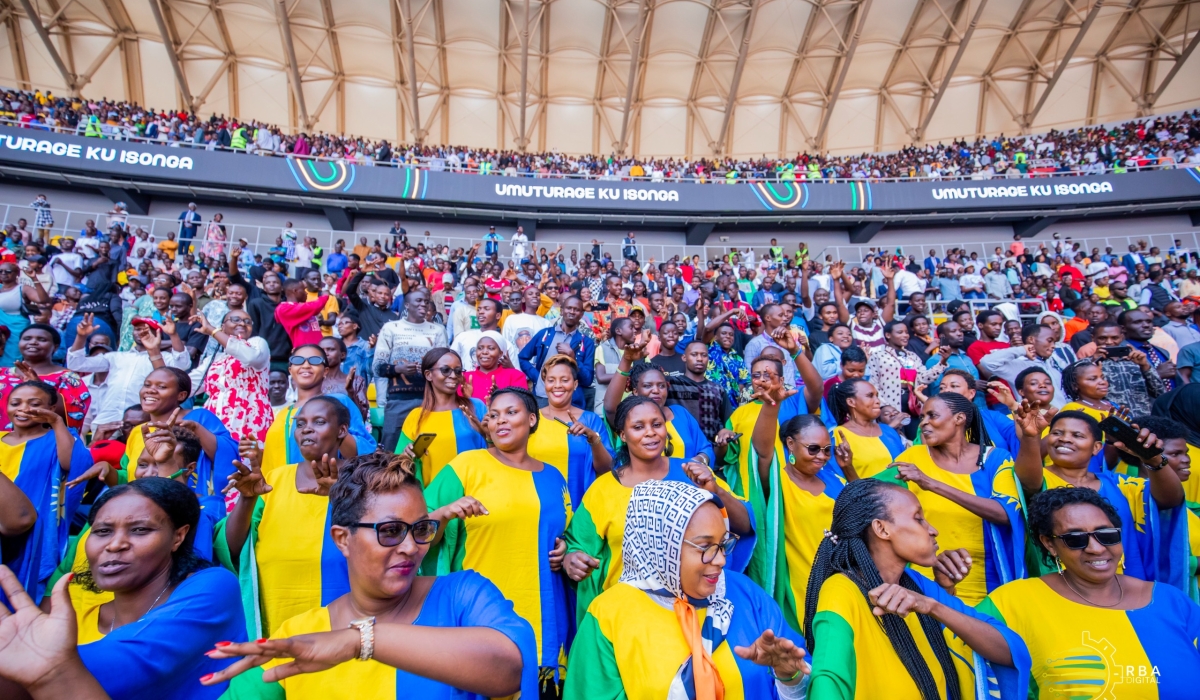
pixel 854 405
pixel 276 537
pixel 394 634
pixel 1136 638
pixel 307 369
pixel 597 531
pixel 453 418
pixel 503 514
pixel 790 470
pixel 967 488
pixel 236 379
pixel 1150 508
pixel 686 438
pixel 573 440
pixel 678 624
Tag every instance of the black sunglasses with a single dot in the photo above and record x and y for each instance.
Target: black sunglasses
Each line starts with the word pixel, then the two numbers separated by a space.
pixel 813 450
pixel 447 371
pixel 296 361
pixel 1107 537
pixel 392 532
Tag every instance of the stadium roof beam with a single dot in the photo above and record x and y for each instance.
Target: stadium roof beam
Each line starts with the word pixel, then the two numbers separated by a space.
pixel 1102 61
pixel 172 46
pixel 526 34
pixel 16 44
pixel 710 20
pixel 885 86
pixel 842 67
pixel 406 16
pixel 1062 63
pixel 131 55
pixel 339 73
pixel 723 144
pixel 1179 61
pixel 989 82
pixel 289 46
pixel 44 34
pixel 963 41
pixel 636 49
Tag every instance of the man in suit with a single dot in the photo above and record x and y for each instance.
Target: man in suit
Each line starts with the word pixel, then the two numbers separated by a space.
pixel 1132 259
pixel 932 263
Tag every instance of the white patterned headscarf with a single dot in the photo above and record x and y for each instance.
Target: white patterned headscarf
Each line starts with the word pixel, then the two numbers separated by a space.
pixel 658 515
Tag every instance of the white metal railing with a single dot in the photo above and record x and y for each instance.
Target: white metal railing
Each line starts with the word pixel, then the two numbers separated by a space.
pixel 403 160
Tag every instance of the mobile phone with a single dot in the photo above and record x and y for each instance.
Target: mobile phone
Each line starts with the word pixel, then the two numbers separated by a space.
pixel 1117 430
pixel 1118 351
pixel 422 443
pixel 141 321
pixel 602 306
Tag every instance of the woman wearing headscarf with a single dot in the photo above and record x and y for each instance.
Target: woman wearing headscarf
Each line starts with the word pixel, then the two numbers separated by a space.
pixel 492 371
pixel 678 625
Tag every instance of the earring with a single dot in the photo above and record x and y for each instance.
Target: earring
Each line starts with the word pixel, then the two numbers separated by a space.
pixel 669 449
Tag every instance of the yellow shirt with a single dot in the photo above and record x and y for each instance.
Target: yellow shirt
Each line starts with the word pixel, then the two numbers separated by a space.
pixel 805 519
pixel 871 456
pixel 331 307
pixel 168 247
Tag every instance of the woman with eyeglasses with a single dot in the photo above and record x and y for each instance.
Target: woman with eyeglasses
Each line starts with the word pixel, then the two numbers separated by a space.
pixel 572 440
pixel 395 634
pixel 1092 631
pixel 678 623
pixel 307 369
pixel 503 514
pixel 1150 508
pixel 799 485
pixel 236 379
pixel 686 438
pixel 453 419
pixel 859 622
pixel 595 536
pixel 968 491
pixel 162 394
pixel 276 536
pixel 873 445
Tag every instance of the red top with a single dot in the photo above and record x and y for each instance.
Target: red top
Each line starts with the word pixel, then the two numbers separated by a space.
pixel 980 348
pixel 300 320
pixel 484 383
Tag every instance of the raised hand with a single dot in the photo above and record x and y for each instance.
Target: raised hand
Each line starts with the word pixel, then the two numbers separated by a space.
pixel 842 453
pixel 786 340
pixel 87 326
pixel 250 450
pixel 635 351
pixel 784 658
pixel 701 474
pixel 557 554
pixel 951 568
pixel 724 436
pixel 325 471
pixel 205 327
pixel 372 340
pixel 578 565
pixel 578 427
pixel 1000 391
pixel 1029 421
pixel 25 371
pixel 99 470
pixel 248 481
pixel 350 380
pixel 308 653
pixel 42 414
pixel 34 644
pixel 168 325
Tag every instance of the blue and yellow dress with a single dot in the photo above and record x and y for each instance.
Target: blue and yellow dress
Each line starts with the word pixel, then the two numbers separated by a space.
pixel 1082 651
pixel 630 646
pixel 33 466
pixel 289 563
pixel 280 446
pixel 853 658
pixel 454 436
pixel 511 545
pixel 162 654
pixel 1153 539
pixel 598 530
pixel 997 550
pixel 212 473
pixel 872 455
pixel 686 438
pixel 461 599
pixel 571 454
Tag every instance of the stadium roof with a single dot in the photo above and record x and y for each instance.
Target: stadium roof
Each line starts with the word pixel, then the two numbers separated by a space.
pixel 649 77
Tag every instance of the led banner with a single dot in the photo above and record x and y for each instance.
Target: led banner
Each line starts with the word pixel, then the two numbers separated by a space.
pixel 141 162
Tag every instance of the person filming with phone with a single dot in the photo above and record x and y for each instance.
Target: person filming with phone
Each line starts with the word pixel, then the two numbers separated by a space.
pixel 1132 381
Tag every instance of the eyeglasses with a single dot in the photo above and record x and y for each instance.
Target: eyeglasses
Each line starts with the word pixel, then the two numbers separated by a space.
pixel 392 532
pixel 447 371
pixel 763 376
pixel 708 553
pixel 296 361
pixel 1107 537
pixel 813 450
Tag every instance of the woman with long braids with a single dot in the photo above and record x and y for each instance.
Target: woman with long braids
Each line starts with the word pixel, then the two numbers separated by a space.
pixel 1151 509
pixel 574 441
pixel 503 514
pixel 678 624
pixel 597 530
pixel 858 622
pixel 968 491
pixel 1134 633
pixel 791 467
pixel 451 416
pixel 685 437
pixel 873 446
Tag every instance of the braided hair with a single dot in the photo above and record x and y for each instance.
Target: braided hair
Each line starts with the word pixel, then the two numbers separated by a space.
pixel 622 459
pixel 976 433
pixel 845 552
pixel 1070 378
pixel 839 396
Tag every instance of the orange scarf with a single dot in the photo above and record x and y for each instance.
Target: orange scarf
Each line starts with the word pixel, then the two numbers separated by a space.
pixel 708 681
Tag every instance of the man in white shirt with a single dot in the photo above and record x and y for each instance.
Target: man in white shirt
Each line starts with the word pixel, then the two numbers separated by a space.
pixel 304 258
pixel 520 328
pixel 488 313
pixel 520 244
pixel 907 283
pixel 67 266
pixel 127 371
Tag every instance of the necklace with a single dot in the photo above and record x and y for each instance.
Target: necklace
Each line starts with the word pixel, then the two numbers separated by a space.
pixel 112 625
pixel 1120 589
pixel 1096 405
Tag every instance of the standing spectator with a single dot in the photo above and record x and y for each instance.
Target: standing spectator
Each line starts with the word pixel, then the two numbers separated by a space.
pixel 67 266
pixel 398 234
pixel 302 257
pixel 214 238
pixel 996 283
pixel 169 247
pixel 300 318
pixel 971 284
pixel 896 372
pixel 189 222
pixel 398 353
pixel 89 240
pixel 1133 382
pixel 519 245
pixel 1138 327
pixel 465 342
pixel 491 242
pixel 629 249
pixel 236 380
pixel 376 309
pixel 43 219
pixel 563 338
pixel 338 261
pixel 520 327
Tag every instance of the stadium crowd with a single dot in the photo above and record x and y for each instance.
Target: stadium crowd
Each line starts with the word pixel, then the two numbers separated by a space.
pixel 398 470
pixel 1153 142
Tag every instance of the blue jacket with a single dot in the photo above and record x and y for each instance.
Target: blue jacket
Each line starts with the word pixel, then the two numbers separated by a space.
pixel 535 352
pixel 931 264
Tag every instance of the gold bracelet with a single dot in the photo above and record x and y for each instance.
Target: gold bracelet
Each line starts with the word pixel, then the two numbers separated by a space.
pixel 366 631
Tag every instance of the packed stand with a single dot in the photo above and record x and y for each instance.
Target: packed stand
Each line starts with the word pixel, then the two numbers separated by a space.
pixel 1150 143
pixel 412 471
